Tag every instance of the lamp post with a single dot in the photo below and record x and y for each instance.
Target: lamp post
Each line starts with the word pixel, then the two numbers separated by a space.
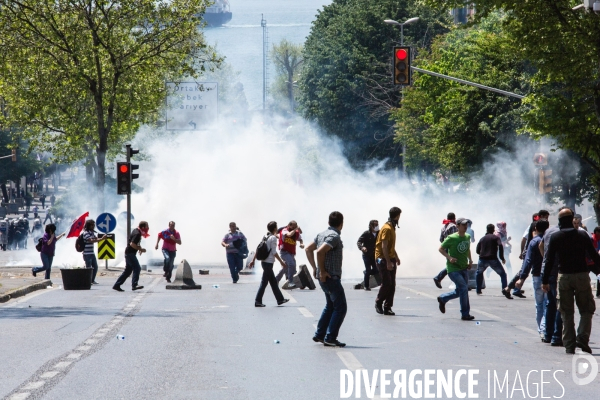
pixel 401 25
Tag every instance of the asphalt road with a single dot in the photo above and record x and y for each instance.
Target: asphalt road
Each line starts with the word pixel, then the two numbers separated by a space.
pixel 214 344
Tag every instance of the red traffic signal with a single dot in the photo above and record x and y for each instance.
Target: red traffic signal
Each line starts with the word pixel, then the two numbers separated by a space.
pixel 540 159
pixel 401 54
pixel 402 73
pixel 123 178
pixel 124 168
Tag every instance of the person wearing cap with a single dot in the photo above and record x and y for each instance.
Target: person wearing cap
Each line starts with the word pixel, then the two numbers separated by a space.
pixel 448 228
pixel 570 247
pixel 456 249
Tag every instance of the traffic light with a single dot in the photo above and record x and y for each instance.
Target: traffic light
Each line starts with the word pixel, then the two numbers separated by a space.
pixel 402 59
pixel 123 178
pixel 14 154
pixel 545 181
pixel 130 153
pixel 540 159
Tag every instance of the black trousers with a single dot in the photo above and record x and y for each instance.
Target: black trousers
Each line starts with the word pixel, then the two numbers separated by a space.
pixel 268 278
pixel 131 265
pixel 370 267
pixel 387 290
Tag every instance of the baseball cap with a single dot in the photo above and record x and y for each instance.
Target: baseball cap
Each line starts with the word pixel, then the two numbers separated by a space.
pixel 577 216
pixel 462 221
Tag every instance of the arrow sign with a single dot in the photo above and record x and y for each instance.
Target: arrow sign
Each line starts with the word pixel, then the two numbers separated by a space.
pixel 106 222
pixel 193 124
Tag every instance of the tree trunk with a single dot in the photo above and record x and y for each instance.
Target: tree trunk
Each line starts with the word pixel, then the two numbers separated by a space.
pixel 101 178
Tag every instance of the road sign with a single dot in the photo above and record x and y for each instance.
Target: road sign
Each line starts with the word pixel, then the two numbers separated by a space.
pixel 106 222
pixel 106 248
pixel 191 105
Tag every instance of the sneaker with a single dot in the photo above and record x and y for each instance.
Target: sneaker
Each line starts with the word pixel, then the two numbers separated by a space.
pixel 168 280
pixel 378 308
pixel 557 344
pixel 468 318
pixel 368 289
pixel 94 283
pixel 584 347
pixel 388 311
pixel 544 340
pixel 34 273
pixel 520 295
pixel 291 285
pixel 137 287
pixel 480 293
pixel 118 288
pixel 334 343
pixel 259 305
pixel 442 305
pixel 282 302
pixel 506 294
pixel 317 339
pixel 437 283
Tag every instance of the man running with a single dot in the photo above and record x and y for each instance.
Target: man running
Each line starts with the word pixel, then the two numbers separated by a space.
pixel 488 248
pixel 448 228
pixel 131 262
pixel 288 237
pixel 170 239
pixel 387 261
pixel 366 244
pixel 456 250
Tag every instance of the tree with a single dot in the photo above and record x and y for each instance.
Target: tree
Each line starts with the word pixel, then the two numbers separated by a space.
pixel 25 165
pixel 288 61
pixel 440 119
pixel 346 82
pixel 563 45
pixel 81 76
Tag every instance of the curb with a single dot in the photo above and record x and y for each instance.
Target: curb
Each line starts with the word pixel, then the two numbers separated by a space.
pixel 25 290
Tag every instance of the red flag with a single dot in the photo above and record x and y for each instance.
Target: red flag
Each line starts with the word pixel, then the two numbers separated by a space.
pixel 77 226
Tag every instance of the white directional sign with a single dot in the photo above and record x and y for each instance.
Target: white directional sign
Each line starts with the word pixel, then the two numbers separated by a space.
pixel 191 105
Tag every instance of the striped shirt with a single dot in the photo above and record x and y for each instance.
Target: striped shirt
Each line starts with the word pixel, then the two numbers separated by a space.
pixel 89 247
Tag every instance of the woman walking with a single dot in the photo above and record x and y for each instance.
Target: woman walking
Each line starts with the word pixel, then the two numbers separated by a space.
pixel 47 253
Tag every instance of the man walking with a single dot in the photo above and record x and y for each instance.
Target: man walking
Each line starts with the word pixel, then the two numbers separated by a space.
pixel 366 244
pixel 233 241
pixel 288 237
pixel 489 248
pixel 328 270
pixel 570 247
pixel 268 277
pixel 387 261
pixel 131 262
pixel 448 228
pixel 89 257
pixel 170 239
pixel 456 249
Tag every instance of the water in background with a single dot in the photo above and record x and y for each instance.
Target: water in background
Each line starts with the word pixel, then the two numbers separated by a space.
pixel 240 41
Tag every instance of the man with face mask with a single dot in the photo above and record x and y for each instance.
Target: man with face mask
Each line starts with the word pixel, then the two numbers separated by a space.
pixel 570 246
pixel 387 261
pixel 366 244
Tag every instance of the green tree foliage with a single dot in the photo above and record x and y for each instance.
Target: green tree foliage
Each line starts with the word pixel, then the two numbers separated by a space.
pixel 564 46
pixel 346 82
pixel 80 76
pixel 288 60
pixel 26 163
pixel 454 127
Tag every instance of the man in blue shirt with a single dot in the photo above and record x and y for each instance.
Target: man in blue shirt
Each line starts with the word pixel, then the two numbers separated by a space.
pixel 533 264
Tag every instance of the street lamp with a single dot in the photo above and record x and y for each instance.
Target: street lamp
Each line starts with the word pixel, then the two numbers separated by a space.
pixel 401 25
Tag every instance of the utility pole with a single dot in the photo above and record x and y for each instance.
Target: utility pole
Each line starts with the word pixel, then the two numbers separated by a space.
pixel 263 23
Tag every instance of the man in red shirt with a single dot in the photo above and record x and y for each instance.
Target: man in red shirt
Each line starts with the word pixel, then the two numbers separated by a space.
pixel 170 239
pixel 288 237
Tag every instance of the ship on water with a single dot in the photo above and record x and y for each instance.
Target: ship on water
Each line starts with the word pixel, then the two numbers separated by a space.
pixel 218 13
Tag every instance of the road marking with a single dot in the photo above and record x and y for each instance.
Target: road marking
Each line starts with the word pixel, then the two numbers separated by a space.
pixel 50 374
pixel 19 300
pixel 349 360
pixel 487 314
pixel 417 292
pixel 528 330
pixel 305 312
pixel 74 355
pixel 292 299
pixel 63 364
pixel 99 335
pixel 91 341
pixel 83 348
pixel 34 385
pixel 19 396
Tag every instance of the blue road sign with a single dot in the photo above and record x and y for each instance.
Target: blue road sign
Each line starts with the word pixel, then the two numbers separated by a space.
pixel 106 222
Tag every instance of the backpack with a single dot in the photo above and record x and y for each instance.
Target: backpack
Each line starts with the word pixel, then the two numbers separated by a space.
pixel 262 251
pixel 80 244
pixel 38 246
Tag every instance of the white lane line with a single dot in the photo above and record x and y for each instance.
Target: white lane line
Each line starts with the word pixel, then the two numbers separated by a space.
pixel 83 348
pixel 15 302
pixel 487 314
pixel 99 335
pixel 19 396
pixel 305 312
pixel 528 330
pixel 63 364
pixel 349 360
pixel 91 341
pixel 33 385
pixel 292 299
pixel 417 292
pixel 49 374
pixel 131 305
pixel 74 355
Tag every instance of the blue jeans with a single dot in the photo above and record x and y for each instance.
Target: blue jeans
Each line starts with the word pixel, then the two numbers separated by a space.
pixel 47 265
pixel 540 303
pixel 290 266
pixel 236 264
pixel 461 280
pixel 91 262
pixel 554 324
pixel 493 264
pixel 441 275
pixel 168 263
pixel 335 309
pixel 131 265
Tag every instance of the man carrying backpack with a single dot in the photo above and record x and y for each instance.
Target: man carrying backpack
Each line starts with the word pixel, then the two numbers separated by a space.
pixel 233 241
pixel 266 252
pixel 131 262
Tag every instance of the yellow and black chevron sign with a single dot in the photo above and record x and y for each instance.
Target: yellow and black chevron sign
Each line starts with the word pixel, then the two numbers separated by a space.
pixel 106 248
